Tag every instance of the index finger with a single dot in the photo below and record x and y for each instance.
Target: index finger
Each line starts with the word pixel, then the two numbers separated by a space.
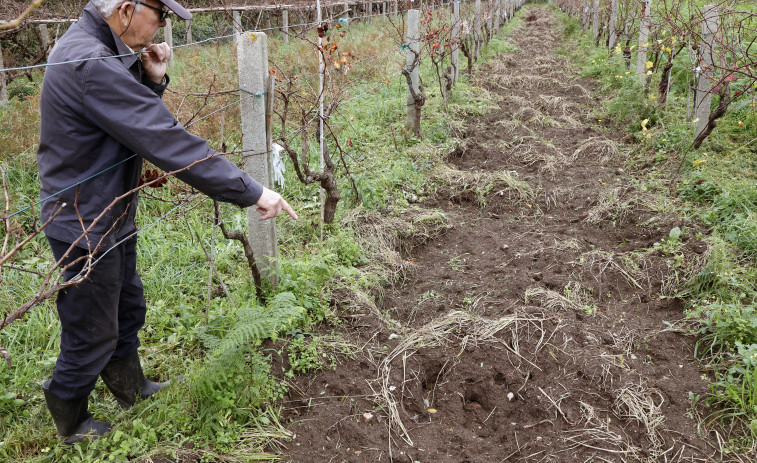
pixel 289 209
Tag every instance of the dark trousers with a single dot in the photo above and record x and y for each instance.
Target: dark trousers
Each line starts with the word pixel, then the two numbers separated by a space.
pixel 100 317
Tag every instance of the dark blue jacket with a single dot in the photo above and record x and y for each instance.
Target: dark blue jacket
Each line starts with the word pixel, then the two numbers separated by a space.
pixel 95 115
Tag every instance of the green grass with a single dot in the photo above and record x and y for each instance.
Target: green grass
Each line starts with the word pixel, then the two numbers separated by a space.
pixel 225 407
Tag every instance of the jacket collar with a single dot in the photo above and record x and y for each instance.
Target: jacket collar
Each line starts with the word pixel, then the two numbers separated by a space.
pixel 94 24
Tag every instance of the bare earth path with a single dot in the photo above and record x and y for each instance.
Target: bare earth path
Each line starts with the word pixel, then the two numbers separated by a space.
pixel 532 329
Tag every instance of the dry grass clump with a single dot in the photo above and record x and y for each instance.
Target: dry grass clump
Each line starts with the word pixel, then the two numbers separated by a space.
pixel 517 140
pixel 541 152
pixel 597 437
pixel 580 88
pixel 517 100
pixel 597 148
pixel 382 235
pixel 612 205
pixel 568 122
pixel 555 104
pixel 634 267
pixel 536 83
pixel 458 327
pixel 602 441
pixel 509 130
pixel 548 70
pixel 548 60
pixel 575 297
pixel 673 281
pixel 453 183
pixel 643 405
pixel 529 114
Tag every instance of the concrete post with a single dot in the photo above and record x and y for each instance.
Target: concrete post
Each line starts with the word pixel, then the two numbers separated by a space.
pixel 455 57
pixel 285 24
pixel 495 15
pixel 383 8
pixel 321 117
pixel 706 65
pixel 584 13
pixel 369 12
pixel 396 7
pixel 189 32
pixel 252 60
pixel 595 19
pixel 44 36
pixel 168 37
pixel 613 24
pixel 489 20
pixel 236 20
pixel 477 29
pixel 641 61
pixel 3 89
pixel 413 54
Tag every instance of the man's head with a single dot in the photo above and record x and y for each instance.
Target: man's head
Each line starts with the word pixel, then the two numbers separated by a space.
pixel 137 21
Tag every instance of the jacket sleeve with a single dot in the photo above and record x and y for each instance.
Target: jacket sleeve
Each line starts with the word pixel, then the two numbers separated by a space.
pixel 135 115
pixel 159 89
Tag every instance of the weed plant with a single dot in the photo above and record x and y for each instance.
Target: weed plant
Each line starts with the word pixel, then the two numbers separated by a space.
pixel 716 186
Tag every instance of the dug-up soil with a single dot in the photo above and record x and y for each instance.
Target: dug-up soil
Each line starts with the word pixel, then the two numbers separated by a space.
pixel 540 324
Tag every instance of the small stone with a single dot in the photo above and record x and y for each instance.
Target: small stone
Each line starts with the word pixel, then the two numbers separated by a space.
pixel 510 396
pixel 367 417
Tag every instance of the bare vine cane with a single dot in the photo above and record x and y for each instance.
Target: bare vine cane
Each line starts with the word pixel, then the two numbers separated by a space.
pixel 5 25
pixel 248 253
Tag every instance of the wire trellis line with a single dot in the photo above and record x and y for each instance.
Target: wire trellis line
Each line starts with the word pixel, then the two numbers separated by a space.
pixel 80 182
pixel 210 39
pixel 87 268
pixel 239 101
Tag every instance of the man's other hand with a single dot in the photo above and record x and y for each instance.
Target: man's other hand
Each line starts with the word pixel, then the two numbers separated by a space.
pixel 270 205
pixel 154 63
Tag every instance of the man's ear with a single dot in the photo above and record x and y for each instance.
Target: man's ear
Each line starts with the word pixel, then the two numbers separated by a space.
pixel 125 13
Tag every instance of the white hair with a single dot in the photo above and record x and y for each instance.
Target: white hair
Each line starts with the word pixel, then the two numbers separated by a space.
pixel 106 7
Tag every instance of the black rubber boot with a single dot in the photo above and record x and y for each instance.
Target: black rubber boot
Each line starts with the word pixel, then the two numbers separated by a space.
pixel 126 381
pixel 72 418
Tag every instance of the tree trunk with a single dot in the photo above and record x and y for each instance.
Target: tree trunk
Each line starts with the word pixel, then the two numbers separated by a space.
pixel 725 101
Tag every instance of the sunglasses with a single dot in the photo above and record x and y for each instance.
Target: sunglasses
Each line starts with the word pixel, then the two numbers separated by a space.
pixel 162 12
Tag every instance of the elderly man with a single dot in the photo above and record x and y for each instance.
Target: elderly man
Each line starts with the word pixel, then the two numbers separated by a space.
pixel 101 115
